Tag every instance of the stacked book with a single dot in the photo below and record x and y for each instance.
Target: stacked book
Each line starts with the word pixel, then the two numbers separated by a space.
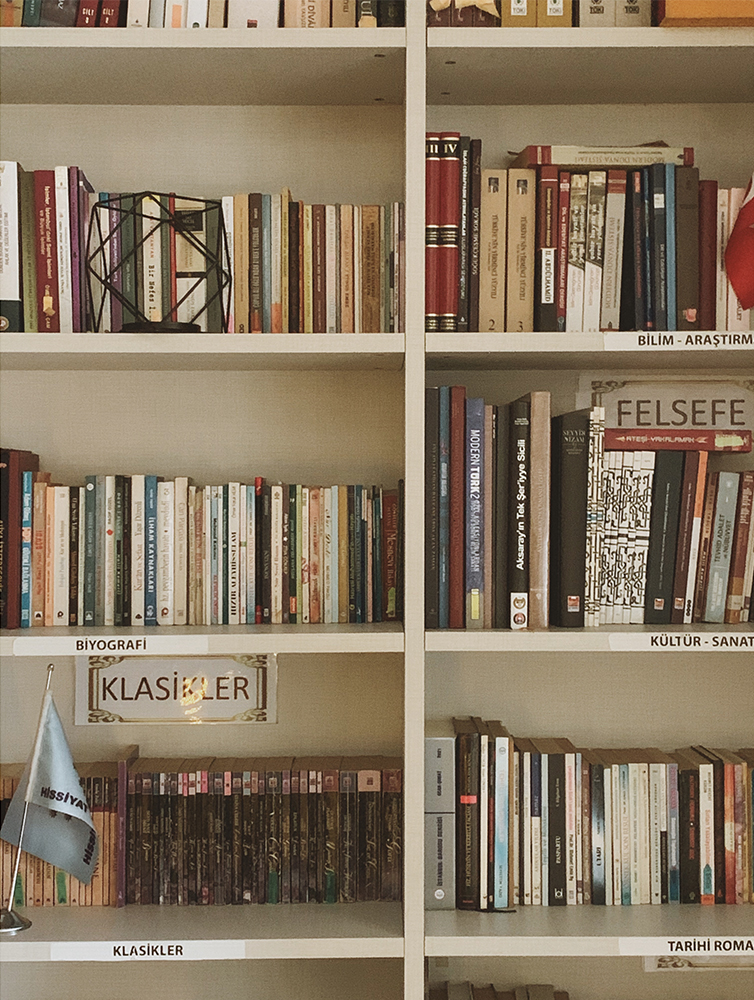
pixel 588 13
pixel 140 550
pixel 246 263
pixel 215 831
pixel 204 13
pixel 532 520
pixel 571 239
pixel 467 991
pixel 541 822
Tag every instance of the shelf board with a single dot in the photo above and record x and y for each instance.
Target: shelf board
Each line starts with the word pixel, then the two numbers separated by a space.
pixel 702 638
pixel 220 640
pixel 581 930
pixel 210 66
pixel 201 351
pixel 581 351
pixel 356 930
pixel 589 66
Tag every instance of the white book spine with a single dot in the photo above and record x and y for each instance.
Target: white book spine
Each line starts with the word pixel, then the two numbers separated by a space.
pixel 10 241
pixel 61 555
pixel 571 810
pixel 251 555
pixel 63 228
pixel 191 571
pixel 196 14
pixel 484 808
pixel 252 14
pixel 615 212
pixel 334 542
pixel 304 605
pixel 517 888
pixel 137 550
pixel 165 551
pixel 706 833
pixel 623 548
pixel 276 554
pixel 152 260
pixel 138 14
pixel 641 547
pixel 331 263
pixel 607 788
pixel 243 527
pixel 617 824
pixel 634 813
pixel 545 832
pixel 723 231
pixel 738 317
pixel 207 555
pixel 199 555
pixel 109 612
pixel 157 13
pixel 579 834
pixel 234 534
pixel 180 551
pixel 81 556
pixel 526 824
pixel 576 254
pixel 227 204
pixel 595 250
pixel 655 832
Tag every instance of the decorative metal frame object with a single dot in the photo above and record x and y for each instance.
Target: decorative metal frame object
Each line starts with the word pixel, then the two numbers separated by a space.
pixel 125 289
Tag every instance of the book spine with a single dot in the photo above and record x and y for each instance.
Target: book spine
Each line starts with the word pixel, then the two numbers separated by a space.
pixel 539 508
pixel 492 242
pixel 467 821
pixel 475 195
pixel 546 263
pixel 255 263
pixel 742 544
pixel 570 463
pixel 48 302
pixel 594 249
pixel 501 499
pixel 685 529
pixel 721 241
pixel 432 511
pixel 694 541
pixel 519 312
pixel 564 216
pixel 721 545
pixel 663 533
pixel 475 540
pixel 647 249
pixel 518 545
pixel 659 246
pixel 464 220
pixel 707 254
pixel 38 554
pixel 671 251
pixel 165 552
pixel 576 252
pixel 705 541
pixel 687 242
pixel 27 506
pixel 74 535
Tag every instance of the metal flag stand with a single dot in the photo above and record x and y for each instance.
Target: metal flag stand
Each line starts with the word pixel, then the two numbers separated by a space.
pixel 10 921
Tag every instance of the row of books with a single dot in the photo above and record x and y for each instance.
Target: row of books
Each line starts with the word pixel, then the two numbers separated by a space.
pixel 586 13
pixel 248 263
pixel 140 550
pixel 467 991
pixel 540 822
pixel 532 520
pixel 203 13
pixel 571 239
pixel 218 831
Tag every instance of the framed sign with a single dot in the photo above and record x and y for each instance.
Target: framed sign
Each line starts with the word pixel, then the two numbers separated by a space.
pixel 181 689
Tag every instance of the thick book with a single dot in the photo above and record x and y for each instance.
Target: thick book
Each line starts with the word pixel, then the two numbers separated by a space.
pixel 11 300
pixel 48 302
pixel 612 272
pixel 468 763
pixel 443 548
pixel 492 245
pixel 501 501
pixel 13 464
pixel 663 533
pixel 539 507
pixel 707 254
pixel 449 224
pixel 432 508
pixel 687 242
pixel 685 532
pixel 432 233
pixel 519 513
pixel 457 508
pixel 658 228
pixel 570 464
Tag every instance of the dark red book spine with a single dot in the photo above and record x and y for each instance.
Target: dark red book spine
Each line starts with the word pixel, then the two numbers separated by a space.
pixel 88 14
pixel 432 234
pixel 48 304
pixel 707 254
pixel 564 211
pixel 112 15
pixel 450 222
pixel 456 554
pixel 546 262
pixel 474 229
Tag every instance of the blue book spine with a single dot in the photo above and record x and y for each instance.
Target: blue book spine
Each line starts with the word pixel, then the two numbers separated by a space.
pixel 671 258
pixel 27 504
pixel 674 871
pixel 266 263
pixel 444 508
pixel 90 549
pixel 150 550
pixel 474 513
pixel 646 246
pixel 501 886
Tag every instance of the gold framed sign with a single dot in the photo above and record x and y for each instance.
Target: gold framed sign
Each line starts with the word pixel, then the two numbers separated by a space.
pixel 182 689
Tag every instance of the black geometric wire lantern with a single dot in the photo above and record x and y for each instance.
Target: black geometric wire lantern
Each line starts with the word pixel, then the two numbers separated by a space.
pixel 158 263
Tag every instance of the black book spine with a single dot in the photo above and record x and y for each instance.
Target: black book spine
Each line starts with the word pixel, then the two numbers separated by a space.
pixel 687 247
pixel 368 888
pixel 293 268
pixel 248 841
pixel 190 863
pixel 546 260
pixel 392 844
pixel 557 828
pixel 274 811
pixel 570 466
pixel 467 821
pixel 295 837
pixel 432 509
pixel 118 600
pixel 464 153
pixel 518 521
pixel 303 850
pixel 391 13
pixel 358 500
pixel 146 838
pixel 501 502
pixel 647 250
pixel 260 818
pixel 659 246
pixel 74 535
pixel 475 194
pixel 688 833
pixel 131 839
pixel 236 884
pixel 285 838
pixel 348 833
pixel 663 534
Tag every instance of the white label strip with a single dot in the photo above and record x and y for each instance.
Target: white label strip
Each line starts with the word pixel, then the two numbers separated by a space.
pixel 159 643
pixel 659 341
pixel 145 951
pixel 675 642
pixel 686 946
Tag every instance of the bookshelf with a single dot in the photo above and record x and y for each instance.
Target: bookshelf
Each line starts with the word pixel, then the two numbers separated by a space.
pixel 340 115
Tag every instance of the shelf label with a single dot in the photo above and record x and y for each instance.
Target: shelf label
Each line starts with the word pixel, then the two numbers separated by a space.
pixel 158 644
pixel 686 946
pixel 145 951
pixel 661 341
pixel 675 642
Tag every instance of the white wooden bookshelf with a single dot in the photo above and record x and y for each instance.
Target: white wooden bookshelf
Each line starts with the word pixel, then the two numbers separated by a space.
pixel 340 115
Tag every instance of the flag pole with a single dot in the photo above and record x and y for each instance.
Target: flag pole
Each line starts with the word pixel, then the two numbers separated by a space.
pixel 10 921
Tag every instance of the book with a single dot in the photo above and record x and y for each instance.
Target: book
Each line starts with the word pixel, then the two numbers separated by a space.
pixel 519 304
pixel 11 301
pixel 570 462
pixel 539 507
pixel 576 253
pixel 721 546
pixel 519 513
pixel 687 241
pixel 597 13
pixel 475 540
pixel 492 242
pixel 663 533
pixel 518 13
pixel 603 156
pixel 741 546
pixel 594 255
pixel 546 262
